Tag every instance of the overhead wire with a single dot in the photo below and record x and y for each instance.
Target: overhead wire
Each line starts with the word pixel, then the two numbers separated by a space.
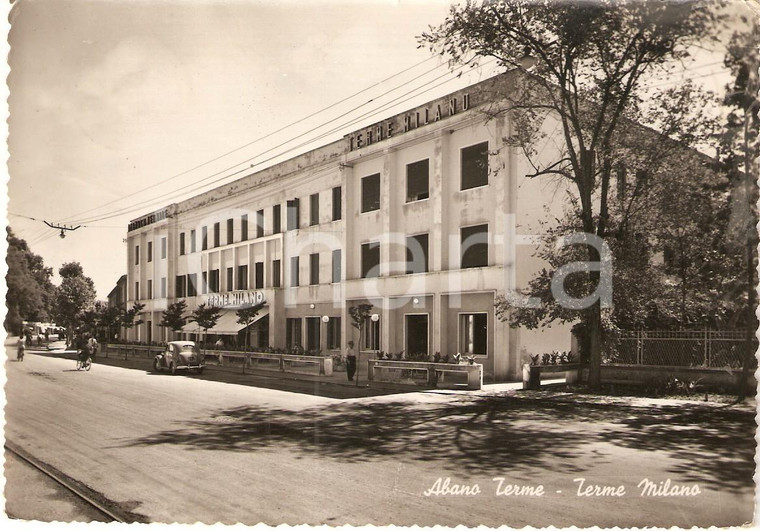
pixel 259 139
pixel 395 101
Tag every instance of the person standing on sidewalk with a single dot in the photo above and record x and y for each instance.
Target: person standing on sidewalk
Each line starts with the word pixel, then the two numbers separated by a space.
pixel 350 361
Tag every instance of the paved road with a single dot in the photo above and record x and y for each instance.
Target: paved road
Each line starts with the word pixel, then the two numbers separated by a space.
pixel 180 449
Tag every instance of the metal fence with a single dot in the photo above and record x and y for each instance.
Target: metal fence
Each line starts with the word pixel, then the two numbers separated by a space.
pixel 687 348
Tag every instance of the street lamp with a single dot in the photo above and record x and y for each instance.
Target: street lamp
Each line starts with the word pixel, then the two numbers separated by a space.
pixel 325 318
pixel 375 317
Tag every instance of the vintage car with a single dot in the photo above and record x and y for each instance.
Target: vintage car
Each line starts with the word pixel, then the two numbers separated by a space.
pixel 179 355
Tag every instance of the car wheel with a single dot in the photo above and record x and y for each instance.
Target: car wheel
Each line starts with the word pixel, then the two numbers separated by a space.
pixel 174 367
pixel 156 366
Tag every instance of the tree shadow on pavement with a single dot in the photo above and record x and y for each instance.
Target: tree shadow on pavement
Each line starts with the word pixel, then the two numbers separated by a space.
pixel 489 435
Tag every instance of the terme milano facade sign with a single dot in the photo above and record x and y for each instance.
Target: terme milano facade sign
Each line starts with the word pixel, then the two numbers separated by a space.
pixel 408 121
pixel 235 299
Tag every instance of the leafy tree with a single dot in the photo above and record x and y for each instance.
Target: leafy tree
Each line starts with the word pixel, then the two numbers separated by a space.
pixel 206 317
pixel 92 319
pixel 740 150
pixel 587 62
pixel 130 318
pixel 173 317
pixel 30 290
pixel 246 315
pixel 73 297
pixel 359 315
pixel 111 319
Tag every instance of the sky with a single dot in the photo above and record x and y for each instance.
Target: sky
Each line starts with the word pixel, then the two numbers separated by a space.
pixel 118 108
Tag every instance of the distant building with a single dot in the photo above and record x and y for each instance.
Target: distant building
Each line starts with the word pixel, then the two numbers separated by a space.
pixel 416 215
pixel 117 298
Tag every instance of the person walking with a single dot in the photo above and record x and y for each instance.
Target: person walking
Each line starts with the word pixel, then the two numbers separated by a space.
pixel 20 347
pixel 350 361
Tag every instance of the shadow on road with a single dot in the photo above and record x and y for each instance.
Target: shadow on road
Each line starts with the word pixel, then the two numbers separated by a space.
pixel 504 434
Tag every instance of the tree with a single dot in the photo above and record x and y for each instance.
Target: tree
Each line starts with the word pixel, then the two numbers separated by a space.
pixel 130 318
pixel 30 290
pixel 247 315
pixel 206 317
pixel 73 297
pixel 172 317
pixel 587 61
pixel 359 315
pixel 740 150
pixel 110 319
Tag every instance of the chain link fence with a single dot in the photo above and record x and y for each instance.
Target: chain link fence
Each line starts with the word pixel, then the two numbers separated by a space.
pixel 712 349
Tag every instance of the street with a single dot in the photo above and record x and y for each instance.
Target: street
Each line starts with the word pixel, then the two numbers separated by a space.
pixel 182 449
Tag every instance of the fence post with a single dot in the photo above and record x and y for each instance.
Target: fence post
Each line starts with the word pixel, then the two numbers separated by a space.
pixel 707 348
pixel 640 347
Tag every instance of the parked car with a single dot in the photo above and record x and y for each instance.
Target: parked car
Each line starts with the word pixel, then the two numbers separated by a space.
pixel 57 345
pixel 180 355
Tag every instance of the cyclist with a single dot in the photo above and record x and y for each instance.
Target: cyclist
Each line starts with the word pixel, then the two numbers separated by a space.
pixel 82 348
pixel 92 347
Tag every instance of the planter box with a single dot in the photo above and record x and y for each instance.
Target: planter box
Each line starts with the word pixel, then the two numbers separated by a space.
pixel 321 365
pixel 431 374
pixel 532 373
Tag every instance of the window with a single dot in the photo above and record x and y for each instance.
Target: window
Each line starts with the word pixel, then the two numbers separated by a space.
pixel 180 287
pixel 204 284
pixel 371 193
pixel 621 182
pixel 370 259
pixel 181 243
pixel 242 277
pixel 259 223
pixel 312 333
pixel 230 277
pixel 642 180
pixel 150 251
pixel 473 334
pixel 276 219
pixel 336 265
pixel 416 334
pixel 244 227
pixel 259 274
pixel 163 248
pixel 417 254
pixel 474 166
pixel 163 287
pixel 150 289
pixel 192 284
pixel 217 232
pixel 371 335
pixel 314 209
pixel 230 231
pixel 336 203
pixel 204 238
pixel 294 271
pixel 474 246
pixel 213 282
pixel 137 291
pixel 137 255
pixel 192 241
pixel 314 269
pixel 333 333
pixel 292 332
pixel 417 181
pixel 294 217
pixel 276 274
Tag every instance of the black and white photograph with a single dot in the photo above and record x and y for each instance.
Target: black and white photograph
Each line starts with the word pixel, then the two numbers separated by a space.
pixel 384 263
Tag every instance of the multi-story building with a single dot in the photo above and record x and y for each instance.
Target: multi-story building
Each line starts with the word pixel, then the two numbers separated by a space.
pixel 426 216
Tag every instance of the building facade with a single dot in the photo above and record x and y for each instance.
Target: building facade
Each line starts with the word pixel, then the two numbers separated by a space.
pixel 426 215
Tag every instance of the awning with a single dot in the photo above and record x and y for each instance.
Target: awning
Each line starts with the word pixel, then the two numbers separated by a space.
pixel 226 325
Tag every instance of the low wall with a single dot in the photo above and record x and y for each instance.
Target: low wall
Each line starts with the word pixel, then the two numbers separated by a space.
pixel 436 374
pixel 652 375
pixel 318 365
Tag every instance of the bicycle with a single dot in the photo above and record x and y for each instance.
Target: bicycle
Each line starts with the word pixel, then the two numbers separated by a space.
pixel 85 363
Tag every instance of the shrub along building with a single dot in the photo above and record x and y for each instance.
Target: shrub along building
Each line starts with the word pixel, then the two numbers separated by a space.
pixel 426 215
